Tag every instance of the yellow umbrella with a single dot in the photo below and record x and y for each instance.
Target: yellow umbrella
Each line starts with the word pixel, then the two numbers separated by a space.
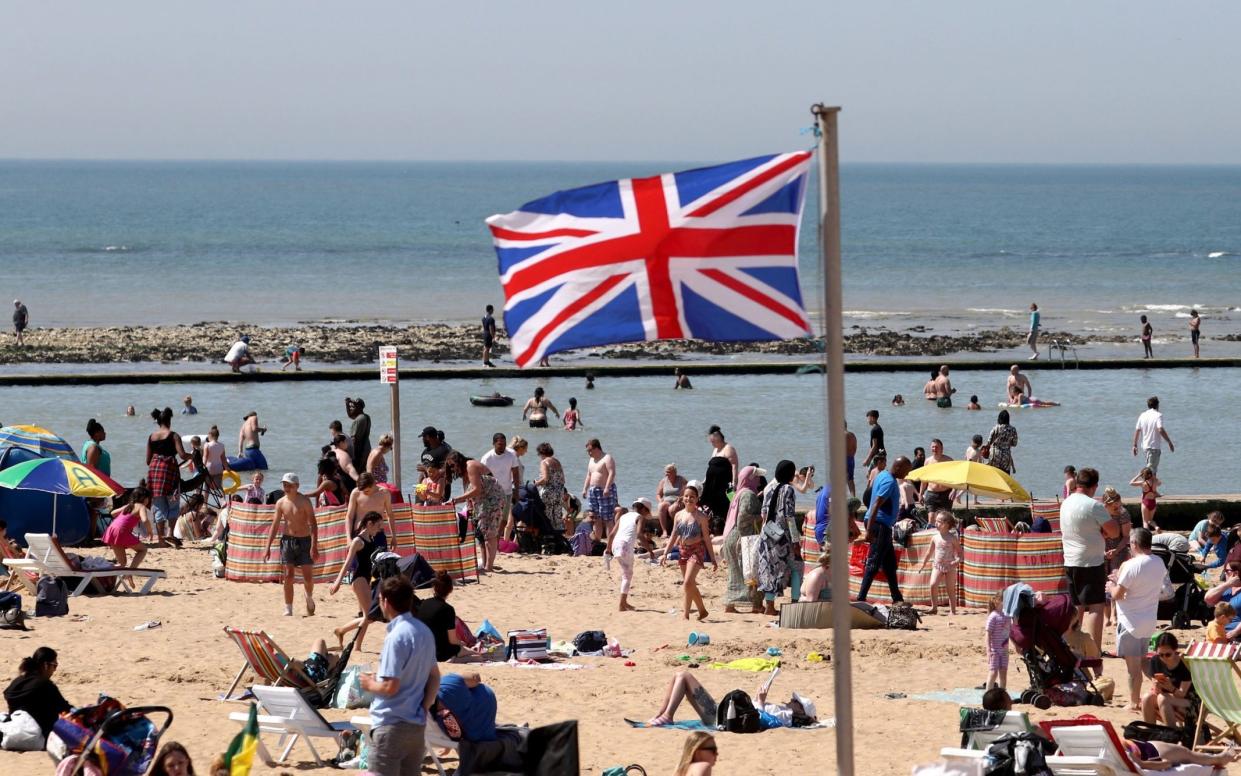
pixel 971 477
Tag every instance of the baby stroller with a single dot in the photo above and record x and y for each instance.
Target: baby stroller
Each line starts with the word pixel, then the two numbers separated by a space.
pixel 1056 676
pixel 1189 602
pixel 123 741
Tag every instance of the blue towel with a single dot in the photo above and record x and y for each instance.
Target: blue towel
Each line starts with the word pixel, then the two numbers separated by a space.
pixel 962 696
pixel 685 724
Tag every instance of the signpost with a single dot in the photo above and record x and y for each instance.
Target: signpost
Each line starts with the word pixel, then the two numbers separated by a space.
pixel 388 374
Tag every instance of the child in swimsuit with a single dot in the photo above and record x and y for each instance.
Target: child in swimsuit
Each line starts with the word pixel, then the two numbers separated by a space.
pixel 944 556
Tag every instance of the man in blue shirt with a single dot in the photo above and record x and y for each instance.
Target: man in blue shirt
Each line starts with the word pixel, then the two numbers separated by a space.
pixel 885 503
pixel 822 514
pixel 472 703
pixel 404 686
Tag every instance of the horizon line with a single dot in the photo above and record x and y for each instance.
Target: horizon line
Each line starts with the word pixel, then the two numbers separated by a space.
pixel 379 160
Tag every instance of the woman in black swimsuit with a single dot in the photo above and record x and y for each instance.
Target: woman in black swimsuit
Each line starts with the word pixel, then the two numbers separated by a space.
pixel 360 549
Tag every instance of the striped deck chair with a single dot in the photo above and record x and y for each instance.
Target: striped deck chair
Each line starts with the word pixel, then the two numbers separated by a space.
pixel 1048 510
pixel 1214 670
pixel 19 574
pixel 265 658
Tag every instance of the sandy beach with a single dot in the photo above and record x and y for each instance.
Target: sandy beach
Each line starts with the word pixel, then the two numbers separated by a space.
pixel 187 662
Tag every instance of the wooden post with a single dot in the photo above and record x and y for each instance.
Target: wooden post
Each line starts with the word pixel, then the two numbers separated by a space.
pixel 834 372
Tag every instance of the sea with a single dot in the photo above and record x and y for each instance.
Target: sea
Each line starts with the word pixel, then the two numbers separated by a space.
pixel 950 248
pixel 934 248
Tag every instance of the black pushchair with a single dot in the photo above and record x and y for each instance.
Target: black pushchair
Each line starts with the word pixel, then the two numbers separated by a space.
pixel 122 741
pixel 1056 675
pixel 1189 601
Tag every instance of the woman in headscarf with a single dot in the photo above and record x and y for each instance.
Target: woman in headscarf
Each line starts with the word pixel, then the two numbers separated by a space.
pixel 999 445
pixel 779 549
pixel 743 520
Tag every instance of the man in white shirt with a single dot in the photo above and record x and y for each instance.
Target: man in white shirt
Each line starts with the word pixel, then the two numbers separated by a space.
pixel 502 462
pixel 239 354
pixel 1140 582
pixel 1084 523
pixel 1148 432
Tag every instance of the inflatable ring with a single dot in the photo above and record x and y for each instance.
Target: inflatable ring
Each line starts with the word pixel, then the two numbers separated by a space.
pixel 231 482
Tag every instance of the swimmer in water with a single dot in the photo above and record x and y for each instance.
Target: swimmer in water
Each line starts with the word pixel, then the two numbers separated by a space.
pixel 536 409
pixel 1018 385
pixel 130 411
pixel 973 405
pixel 898 401
pixel 572 417
pixel 683 383
pixel 928 390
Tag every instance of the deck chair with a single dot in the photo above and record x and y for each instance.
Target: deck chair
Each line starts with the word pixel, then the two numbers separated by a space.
pixel 19 570
pixel 435 739
pixel 273 666
pixel 1091 746
pixel 45 556
pixel 1214 670
pixel 266 659
pixel 285 712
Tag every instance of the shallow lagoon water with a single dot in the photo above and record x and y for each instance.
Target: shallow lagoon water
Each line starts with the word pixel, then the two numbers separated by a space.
pixel 646 424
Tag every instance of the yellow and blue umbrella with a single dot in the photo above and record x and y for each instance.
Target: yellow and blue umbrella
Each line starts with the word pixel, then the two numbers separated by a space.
pixel 37 440
pixel 59 477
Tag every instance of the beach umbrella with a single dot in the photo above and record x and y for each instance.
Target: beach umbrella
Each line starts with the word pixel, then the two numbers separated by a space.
pixel 971 477
pixel 37 440
pixel 60 478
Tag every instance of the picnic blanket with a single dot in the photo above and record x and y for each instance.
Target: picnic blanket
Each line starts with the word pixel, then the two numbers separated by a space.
pixel 421 528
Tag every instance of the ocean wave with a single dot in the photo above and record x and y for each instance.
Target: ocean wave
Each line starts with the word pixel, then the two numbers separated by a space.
pixel 874 314
pixel 994 310
pixel 1218 254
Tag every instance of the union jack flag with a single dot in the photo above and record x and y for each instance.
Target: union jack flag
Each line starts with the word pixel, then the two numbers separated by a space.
pixel 705 254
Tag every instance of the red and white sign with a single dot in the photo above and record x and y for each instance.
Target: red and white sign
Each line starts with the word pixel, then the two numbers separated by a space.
pixel 387 366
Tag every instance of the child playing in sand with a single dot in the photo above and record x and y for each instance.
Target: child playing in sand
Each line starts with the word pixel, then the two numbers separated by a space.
pixel 999 625
pixel 945 555
pixel 1149 483
pixel 621 545
pixel 1217 631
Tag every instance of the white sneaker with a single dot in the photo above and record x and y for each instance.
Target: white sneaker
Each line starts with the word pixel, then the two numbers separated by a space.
pixel 288 610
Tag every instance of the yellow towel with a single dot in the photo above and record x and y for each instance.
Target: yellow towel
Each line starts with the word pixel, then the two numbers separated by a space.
pixel 753 664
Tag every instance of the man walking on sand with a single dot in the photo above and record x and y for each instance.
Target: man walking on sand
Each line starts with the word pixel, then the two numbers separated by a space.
pixel 599 489
pixel 489 335
pixel 1140 582
pixel 1149 432
pixel 1032 337
pixel 1084 525
pixel 21 319
pixel 299 541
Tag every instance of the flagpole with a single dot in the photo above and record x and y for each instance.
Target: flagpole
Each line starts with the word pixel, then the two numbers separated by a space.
pixel 834 372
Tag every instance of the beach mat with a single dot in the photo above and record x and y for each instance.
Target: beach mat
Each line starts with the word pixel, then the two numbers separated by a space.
pixel 962 696
pixel 818 615
pixel 684 724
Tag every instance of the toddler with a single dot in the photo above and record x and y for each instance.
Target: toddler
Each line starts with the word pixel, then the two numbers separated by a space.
pixel 945 556
pixel 254 491
pixel 999 625
pixel 1217 631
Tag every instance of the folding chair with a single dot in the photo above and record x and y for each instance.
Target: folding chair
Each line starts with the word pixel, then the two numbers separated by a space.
pixel 266 659
pixel 45 556
pixel 19 574
pixel 1091 746
pixel 1212 667
pixel 286 712
pixel 1048 510
pixel 435 739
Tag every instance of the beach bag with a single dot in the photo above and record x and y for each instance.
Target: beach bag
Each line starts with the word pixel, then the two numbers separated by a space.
pixel 527 644
pixel 903 616
pixel 51 597
pixel 1149 731
pixel 736 714
pixel 1019 753
pixel 349 692
pixel 590 641
pixel 20 733
pixel 749 558
pixel 74 730
pixel 447 721
pixel 11 614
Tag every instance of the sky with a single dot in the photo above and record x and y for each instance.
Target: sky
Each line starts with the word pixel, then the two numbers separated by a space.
pixel 1057 81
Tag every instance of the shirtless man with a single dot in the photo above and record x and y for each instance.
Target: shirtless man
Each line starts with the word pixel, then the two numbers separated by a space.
pixel 1018 385
pixel 599 489
pixel 850 457
pixel 299 541
pixel 943 388
pixel 936 497
pixel 366 498
pixel 928 388
pixel 248 436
